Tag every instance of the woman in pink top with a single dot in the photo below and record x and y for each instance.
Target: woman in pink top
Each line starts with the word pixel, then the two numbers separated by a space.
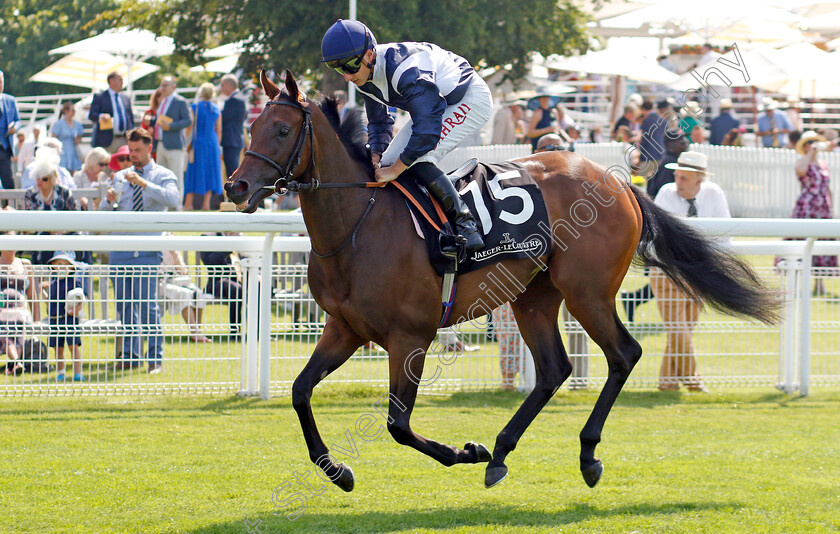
pixel 815 201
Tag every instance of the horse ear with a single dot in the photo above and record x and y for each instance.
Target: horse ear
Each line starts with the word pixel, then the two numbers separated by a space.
pixel 292 88
pixel 270 88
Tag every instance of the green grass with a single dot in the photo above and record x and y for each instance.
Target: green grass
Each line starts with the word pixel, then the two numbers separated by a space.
pixel 734 461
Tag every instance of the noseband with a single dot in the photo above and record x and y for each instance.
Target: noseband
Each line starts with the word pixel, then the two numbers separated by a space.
pixel 284 183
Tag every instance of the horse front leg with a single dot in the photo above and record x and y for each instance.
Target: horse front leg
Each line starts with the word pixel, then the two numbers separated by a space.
pixel 337 344
pixel 406 361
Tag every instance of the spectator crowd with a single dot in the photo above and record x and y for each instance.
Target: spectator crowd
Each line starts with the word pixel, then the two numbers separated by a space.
pixel 178 152
pixel 178 155
pixel 213 128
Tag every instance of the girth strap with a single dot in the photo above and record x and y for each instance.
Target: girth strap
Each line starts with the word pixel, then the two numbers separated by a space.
pixel 438 209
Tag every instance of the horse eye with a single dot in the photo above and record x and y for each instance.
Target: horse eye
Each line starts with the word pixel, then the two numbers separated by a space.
pixel 283 131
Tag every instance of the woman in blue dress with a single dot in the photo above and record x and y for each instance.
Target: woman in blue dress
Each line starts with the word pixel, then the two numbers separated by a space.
pixel 69 132
pixel 204 172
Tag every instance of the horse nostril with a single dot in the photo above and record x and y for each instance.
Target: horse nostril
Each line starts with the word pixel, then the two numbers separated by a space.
pixel 238 187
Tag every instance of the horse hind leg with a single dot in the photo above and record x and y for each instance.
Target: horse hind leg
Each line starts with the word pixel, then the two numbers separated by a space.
pixel 536 312
pixel 598 317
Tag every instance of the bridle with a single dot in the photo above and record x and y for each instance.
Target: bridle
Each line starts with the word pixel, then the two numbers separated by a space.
pixel 284 183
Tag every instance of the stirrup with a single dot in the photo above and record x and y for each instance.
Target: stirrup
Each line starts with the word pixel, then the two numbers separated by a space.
pixel 453 246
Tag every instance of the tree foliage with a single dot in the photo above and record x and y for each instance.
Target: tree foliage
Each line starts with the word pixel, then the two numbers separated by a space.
pixel 287 34
pixel 29 29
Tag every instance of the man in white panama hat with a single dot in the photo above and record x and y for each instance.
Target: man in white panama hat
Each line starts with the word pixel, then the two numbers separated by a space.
pixel 689 196
pixel 773 126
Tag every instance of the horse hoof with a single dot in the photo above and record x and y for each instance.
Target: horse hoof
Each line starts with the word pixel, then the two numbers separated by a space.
pixel 345 479
pixel 481 452
pixel 592 474
pixel 494 475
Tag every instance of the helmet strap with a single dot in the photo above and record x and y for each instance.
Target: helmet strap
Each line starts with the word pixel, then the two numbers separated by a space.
pixel 370 65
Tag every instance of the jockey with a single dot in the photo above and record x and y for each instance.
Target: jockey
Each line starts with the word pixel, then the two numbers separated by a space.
pixel 447 101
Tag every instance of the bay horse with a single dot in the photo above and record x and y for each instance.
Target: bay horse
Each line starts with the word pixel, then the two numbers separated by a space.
pixel 383 288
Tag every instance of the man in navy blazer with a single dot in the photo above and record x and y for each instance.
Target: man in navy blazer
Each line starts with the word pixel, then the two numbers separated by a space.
pixel 111 105
pixel 171 140
pixel 234 113
pixel 9 124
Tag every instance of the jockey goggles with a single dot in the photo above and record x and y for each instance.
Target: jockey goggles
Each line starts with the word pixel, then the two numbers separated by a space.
pixel 346 65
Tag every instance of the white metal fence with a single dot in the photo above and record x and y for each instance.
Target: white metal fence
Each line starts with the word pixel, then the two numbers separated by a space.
pixel 758 182
pixel 280 322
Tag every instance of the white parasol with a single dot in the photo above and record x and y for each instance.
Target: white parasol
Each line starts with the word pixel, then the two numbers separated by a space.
pixel 89 69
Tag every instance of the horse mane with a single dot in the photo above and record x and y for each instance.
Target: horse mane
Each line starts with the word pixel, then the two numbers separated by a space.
pixel 351 131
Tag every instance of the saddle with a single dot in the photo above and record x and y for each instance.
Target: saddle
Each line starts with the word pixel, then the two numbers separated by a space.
pixel 507 205
pixel 447 238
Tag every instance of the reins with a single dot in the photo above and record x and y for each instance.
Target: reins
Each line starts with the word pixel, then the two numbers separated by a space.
pixel 352 237
pixel 285 183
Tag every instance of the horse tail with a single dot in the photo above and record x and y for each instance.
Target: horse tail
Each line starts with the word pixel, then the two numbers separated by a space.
pixel 700 267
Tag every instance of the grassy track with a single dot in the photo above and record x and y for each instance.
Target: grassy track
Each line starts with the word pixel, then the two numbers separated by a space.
pixel 739 461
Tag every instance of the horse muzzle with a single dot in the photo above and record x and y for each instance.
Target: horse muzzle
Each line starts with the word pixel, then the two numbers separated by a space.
pixel 239 192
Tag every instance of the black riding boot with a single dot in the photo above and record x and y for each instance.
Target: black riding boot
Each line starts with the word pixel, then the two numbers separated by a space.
pixel 440 187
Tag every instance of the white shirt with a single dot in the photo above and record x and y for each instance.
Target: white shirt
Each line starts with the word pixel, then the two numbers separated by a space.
pixel 26 153
pixel 116 104
pixel 159 112
pixel 82 180
pixel 710 201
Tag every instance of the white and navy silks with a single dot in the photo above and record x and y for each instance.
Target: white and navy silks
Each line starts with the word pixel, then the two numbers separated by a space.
pixel 446 99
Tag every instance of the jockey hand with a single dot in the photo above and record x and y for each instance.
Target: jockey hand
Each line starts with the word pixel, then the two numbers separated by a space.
pixel 392 172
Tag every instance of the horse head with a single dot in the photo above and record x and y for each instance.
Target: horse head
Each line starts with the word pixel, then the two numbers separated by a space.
pixel 278 142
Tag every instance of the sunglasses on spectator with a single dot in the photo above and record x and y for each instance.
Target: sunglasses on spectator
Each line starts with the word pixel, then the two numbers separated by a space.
pixel 346 65
pixel 101 164
pixel 123 159
pixel 45 178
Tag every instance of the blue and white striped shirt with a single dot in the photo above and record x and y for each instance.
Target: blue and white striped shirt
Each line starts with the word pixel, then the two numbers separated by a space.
pixel 160 194
pixel 420 78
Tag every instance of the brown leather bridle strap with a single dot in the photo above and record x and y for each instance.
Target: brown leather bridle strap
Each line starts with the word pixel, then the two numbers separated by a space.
pixel 292 163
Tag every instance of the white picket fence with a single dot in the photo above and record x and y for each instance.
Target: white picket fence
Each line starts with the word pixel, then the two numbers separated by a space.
pixel 281 321
pixel 758 182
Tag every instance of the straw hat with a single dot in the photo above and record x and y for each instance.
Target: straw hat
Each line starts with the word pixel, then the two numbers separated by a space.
pixel 68 255
pixel 725 103
pixel 546 91
pixel 808 137
pixel 769 105
pixel 692 107
pixel 690 161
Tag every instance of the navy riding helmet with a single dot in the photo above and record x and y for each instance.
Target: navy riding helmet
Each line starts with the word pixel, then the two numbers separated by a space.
pixel 346 39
